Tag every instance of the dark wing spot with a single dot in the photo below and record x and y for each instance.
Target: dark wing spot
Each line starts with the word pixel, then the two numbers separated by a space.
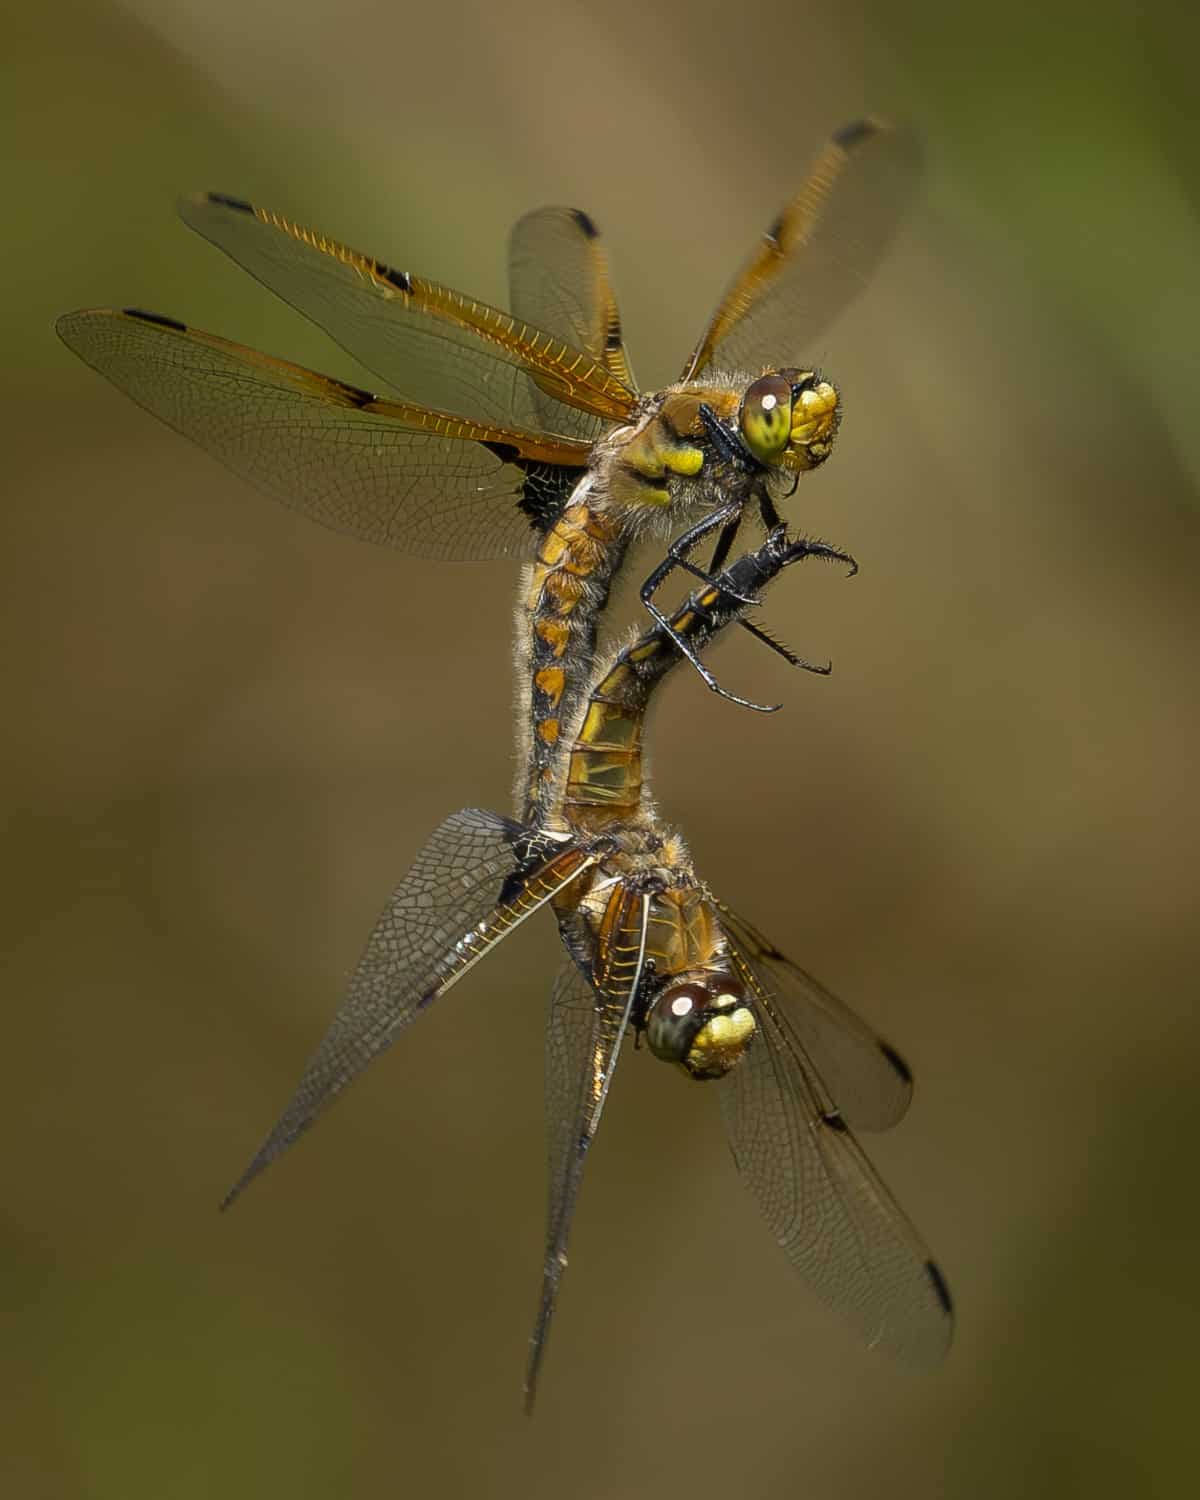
pixel 354 394
pixel 933 1271
pixel 587 224
pixel 400 279
pixel 775 230
pixel 546 486
pixel 147 317
pixel 612 339
pixel 546 489
pixel 227 202
pixel 897 1062
pixel 835 1122
pixel 855 134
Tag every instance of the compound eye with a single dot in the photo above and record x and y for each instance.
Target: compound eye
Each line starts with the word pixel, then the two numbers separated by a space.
pixel 674 1019
pixel 766 417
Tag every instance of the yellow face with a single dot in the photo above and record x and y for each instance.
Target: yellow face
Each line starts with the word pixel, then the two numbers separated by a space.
pixel 702 1022
pixel 788 419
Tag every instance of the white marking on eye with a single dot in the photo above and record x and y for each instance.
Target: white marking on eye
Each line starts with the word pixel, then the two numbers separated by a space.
pixel 682 1005
pixel 769 402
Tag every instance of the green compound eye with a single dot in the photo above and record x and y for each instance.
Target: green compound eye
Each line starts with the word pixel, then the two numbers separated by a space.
pixel 766 417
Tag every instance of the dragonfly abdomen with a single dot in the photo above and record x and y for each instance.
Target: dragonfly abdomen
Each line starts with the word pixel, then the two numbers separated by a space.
pixel 563 593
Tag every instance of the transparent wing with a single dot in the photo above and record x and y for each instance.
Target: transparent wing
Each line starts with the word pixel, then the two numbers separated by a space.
pixel 558 280
pixel 866 1078
pixel 427 342
pixel 462 895
pixel 826 1205
pixel 586 1026
pixel 818 253
pixel 385 471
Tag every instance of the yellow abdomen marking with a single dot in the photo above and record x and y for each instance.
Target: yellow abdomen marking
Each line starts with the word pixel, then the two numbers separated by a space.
pixel 555 633
pixel 551 681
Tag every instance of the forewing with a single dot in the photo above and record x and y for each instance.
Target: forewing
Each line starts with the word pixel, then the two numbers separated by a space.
pixel 386 471
pixel 589 1016
pixel 818 253
pixel 866 1078
pixel 462 895
pixel 426 341
pixel 825 1203
pixel 558 279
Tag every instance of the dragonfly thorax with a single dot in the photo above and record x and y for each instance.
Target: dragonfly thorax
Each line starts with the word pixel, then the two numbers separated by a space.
pixel 703 1022
pixel 698 445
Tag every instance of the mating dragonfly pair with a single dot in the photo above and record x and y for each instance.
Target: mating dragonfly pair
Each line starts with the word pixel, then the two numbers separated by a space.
pixel 522 433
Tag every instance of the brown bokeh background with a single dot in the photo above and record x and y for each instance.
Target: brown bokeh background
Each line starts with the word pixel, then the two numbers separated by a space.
pixel 228 732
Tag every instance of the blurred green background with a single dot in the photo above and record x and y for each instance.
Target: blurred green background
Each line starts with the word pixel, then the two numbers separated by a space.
pixel 229 731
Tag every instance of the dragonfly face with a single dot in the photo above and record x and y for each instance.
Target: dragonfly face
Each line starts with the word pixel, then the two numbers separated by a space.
pixel 703 1022
pixel 789 418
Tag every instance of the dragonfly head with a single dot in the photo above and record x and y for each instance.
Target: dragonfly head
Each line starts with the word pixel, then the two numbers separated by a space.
pixel 701 1021
pixel 788 419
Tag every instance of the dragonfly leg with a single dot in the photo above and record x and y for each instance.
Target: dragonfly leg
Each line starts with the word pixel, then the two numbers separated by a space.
pixel 800 547
pixel 789 656
pixel 677 558
pixel 766 509
pixel 727 447
pixel 724 542
pixel 677 555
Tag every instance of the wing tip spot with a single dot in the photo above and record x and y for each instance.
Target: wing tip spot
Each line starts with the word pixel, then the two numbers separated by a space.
pixel 586 223
pixel 856 132
pixel 226 200
pixel 898 1064
pixel 938 1282
pixel 148 317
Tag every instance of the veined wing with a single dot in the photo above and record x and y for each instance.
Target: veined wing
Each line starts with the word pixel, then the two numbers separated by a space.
pixel 588 1021
pixel 386 471
pixel 827 1206
pixel 866 1078
pixel 817 254
pixel 464 893
pixel 558 279
pixel 427 342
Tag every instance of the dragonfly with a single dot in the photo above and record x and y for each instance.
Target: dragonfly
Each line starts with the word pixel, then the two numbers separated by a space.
pixel 522 433
pixel 651 953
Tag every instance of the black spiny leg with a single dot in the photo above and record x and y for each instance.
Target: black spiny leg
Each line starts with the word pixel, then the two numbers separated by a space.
pixel 724 542
pixel 677 558
pixel 811 549
pixel 766 509
pixel 729 451
pixel 786 652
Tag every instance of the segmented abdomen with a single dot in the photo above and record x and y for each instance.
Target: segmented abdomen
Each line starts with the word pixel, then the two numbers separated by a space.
pixel 567 588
